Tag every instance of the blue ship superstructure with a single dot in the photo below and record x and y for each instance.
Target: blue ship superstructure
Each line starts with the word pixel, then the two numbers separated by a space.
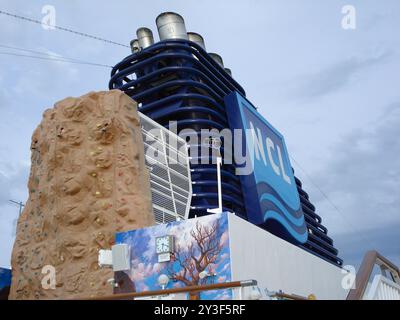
pixel 177 80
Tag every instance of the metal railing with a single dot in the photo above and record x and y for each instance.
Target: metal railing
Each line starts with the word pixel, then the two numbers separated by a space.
pixel 380 282
pixel 383 288
pixel 192 290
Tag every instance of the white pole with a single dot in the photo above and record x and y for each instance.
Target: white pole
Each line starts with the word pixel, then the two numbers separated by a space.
pixel 219 163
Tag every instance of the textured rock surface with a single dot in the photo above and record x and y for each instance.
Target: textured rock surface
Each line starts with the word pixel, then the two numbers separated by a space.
pixel 88 180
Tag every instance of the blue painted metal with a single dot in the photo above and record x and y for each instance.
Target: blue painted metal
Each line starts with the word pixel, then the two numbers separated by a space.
pixel 177 80
pixel 5 283
pixel 5 277
pixel 269 189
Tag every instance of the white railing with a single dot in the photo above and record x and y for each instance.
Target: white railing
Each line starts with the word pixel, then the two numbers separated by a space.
pixel 383 288
pixel 167 159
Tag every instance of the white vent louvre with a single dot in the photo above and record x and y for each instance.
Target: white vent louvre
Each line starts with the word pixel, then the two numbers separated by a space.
pixel 167 159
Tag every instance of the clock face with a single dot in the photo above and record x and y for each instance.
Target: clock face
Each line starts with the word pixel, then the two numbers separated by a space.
pixel 164 244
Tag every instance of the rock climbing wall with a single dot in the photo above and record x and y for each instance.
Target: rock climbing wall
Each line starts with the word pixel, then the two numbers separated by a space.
pixel 88 180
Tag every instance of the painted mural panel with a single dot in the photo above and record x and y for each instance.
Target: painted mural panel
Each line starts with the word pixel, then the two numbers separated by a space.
pixel 201 247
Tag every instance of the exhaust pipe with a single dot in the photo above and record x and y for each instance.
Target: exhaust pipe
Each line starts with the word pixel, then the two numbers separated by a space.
pixel 228 71
pixel 135 46
pixel 145 37
pixel 217 58
pixel 196 38
pixel 171 25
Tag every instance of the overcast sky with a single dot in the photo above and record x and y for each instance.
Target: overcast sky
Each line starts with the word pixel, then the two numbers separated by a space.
pixel 333 93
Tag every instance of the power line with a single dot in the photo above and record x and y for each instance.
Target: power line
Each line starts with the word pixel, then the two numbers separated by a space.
pixel 82 34
pixel 55 59
pixel 316 186
pixel 20 204
pixel 44 53
pixel 344 218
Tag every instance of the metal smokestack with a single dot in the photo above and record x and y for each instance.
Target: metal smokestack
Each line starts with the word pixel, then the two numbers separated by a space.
pixel 171 25
pixel 196 38
pixel 217 58
pixel 228 71
pixel 135 46
pixel 145 37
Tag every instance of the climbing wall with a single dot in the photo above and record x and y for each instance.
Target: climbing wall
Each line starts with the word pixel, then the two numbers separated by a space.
pixel 88 180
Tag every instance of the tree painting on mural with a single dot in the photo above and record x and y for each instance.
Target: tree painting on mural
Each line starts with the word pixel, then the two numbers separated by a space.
pixel 201 255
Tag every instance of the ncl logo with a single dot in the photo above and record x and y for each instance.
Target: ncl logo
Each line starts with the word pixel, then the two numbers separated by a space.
pixel 271 197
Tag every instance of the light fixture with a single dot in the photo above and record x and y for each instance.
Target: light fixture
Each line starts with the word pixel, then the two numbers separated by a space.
pixel 205 274
pixel 163 280
pixel 215 143
pixel 112 283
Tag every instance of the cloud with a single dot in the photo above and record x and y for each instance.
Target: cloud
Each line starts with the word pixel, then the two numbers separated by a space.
pixel 224 295
pixel 386 238
pixel 224 256
pixel 225 267
pixel 13 181
pixel 224 238
pixel 5 191
pixel 28 86
pixel 336 76
pixel 142 272
pixel 363 181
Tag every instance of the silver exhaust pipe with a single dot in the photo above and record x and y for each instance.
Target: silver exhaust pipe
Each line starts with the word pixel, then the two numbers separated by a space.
pixel 196 38
pixel 217 58
pixel 171 25
pixel 145 37
pixel 135 46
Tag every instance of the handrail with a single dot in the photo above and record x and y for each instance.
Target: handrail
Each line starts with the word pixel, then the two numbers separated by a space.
pixel 371 259
pixel 287 296
pixel 383 288
pixel 190 289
